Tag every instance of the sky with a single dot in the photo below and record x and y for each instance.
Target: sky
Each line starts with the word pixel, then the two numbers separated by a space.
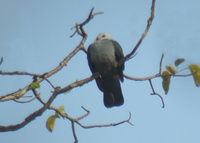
pixel 35 37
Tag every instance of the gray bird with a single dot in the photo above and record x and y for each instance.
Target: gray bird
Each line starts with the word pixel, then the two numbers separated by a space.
pixel 103 57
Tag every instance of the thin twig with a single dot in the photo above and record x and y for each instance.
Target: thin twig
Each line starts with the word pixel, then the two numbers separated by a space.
pixel 154 76
pixel 140 79
pixel 74 133
pixel 160 68
pixel 77 26
pixel 37 95
pixel 183 70
pixel 154 93
pixel 1 61
pixel 81 117
pixel 106 125
pixel 19 73
pixel 50 83
pixel 24 101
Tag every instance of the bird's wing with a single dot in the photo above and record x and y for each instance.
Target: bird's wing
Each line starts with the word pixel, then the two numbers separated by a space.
pixel 93 69
pixel 91 64
pixel 119 56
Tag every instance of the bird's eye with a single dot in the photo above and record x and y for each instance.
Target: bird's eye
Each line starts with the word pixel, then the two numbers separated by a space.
pixel 103 35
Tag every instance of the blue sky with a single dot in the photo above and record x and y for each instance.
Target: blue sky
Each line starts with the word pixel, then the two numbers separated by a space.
pixel 34 37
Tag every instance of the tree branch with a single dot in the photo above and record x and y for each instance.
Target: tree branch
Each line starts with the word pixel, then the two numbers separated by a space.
pixel 106 125
pixel 1 61
pixel 20 93
pixel 25 101
pixel 30 118
pixel 79 26
pixel 154 93
pixel 149 22
pixel 74 133
pixel 39 112
pixel 159 74
pixel 19 73
pixel 160 68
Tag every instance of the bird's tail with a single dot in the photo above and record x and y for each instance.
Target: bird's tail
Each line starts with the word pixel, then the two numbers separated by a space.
pixel 112 91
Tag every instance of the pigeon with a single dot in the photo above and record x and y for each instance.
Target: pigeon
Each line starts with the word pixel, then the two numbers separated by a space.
pixel 103 57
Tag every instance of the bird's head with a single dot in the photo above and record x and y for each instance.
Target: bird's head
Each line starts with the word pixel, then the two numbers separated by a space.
pixel 103 36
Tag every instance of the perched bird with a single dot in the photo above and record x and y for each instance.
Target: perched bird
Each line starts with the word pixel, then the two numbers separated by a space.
pixel 103 57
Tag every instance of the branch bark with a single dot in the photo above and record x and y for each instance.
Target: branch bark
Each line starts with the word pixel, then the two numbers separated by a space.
pixel 149 22
pixel 57 91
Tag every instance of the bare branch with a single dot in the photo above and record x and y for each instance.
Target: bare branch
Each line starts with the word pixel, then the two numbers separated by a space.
pixel 20 93
pixel 88 112
pixel 74 133
pixel 19 73
pixel 149 22
pixel 106 125
pixel 78 83
pixel 183 70
pixel 140 79
pixel 77 26
pixel 30 118
pixel 14 95
pixel 37 95
pixel 50 83
pixel 1 61
pixel 160 69
pixel 46 105
pixel 154 93
pixel 155 76
pixel 25 101
pixel 159 74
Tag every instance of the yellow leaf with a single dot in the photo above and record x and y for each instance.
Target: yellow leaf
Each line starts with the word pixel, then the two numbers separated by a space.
pixel 50 123
pixel 195 70
pixel 61 109
pixel 166 81
pixel 170 69
pixel 34 85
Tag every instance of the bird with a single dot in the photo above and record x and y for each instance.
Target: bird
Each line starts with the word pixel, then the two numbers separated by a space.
pixel 103 57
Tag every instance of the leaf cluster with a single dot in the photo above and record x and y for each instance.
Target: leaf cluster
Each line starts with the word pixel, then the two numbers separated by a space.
pixel 171 71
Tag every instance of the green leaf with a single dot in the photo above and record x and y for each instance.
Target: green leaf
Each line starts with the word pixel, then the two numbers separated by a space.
pixel 34 85
pixel 170 69
pixel 195 70
pixel 166 81
pixel 178 62
pixel 61 109
pixel 50 123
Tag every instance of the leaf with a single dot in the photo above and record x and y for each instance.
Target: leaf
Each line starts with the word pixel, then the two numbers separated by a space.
pixel 195 70
pixel 61 109
pixel 178 62
pixel 50 123
pixel 170 69
pixel 34 85
pixel 166 81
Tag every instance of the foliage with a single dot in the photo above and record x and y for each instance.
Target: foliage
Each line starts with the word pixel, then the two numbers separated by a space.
pixel 51 120
pixel 195 70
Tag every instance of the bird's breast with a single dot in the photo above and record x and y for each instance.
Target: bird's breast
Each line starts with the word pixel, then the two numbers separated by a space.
pixel 103 56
